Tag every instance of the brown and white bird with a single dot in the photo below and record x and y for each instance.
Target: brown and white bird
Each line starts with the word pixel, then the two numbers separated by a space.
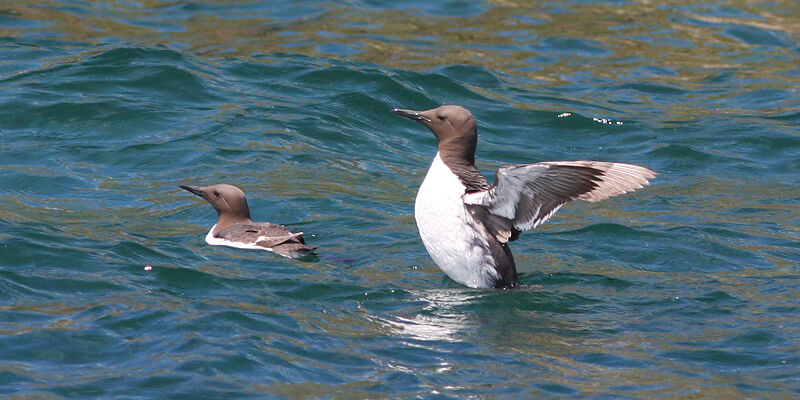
pixel 234 228
pixel 466 223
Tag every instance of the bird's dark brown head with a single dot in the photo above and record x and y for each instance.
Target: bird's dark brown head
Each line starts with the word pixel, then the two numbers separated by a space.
pixel 228 200
pixel 453 126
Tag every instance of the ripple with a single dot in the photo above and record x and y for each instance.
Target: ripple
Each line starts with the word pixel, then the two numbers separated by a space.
pixel 682 287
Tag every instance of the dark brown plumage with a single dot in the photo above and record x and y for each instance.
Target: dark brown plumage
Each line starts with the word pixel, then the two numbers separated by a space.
pixel 234 228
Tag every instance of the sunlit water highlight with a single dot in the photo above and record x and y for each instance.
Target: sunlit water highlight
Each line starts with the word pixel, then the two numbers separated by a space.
pixel 685 289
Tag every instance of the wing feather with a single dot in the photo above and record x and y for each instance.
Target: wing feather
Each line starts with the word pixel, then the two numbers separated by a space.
pixel 525 196
pixel 263 234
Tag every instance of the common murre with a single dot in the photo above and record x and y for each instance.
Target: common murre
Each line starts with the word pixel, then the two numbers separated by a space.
pixel 234 228
pixel 466 223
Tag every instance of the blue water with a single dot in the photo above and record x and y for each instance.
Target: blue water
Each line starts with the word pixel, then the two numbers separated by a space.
pixel 686 289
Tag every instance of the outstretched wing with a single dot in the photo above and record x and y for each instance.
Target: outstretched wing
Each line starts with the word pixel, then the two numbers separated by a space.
pixel 524 196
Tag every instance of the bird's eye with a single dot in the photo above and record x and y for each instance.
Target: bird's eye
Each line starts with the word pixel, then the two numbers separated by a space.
pixel 216 193
pixel 441 117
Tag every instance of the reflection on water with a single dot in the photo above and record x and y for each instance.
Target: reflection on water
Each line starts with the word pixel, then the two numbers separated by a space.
pixel 685 289
pixel 440 317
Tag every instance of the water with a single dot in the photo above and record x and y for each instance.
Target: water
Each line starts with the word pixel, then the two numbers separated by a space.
pixel 685 289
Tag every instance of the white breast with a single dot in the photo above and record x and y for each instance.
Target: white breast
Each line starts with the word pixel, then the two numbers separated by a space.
pixel 456 243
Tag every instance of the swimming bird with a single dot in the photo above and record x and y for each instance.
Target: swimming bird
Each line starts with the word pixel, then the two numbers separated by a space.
pixel 466 223
pixel 234 228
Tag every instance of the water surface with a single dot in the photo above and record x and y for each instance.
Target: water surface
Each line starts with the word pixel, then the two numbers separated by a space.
pixel 685 289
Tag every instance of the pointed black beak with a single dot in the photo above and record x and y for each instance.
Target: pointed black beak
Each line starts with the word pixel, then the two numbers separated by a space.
pixel 411 114
pixel 194 189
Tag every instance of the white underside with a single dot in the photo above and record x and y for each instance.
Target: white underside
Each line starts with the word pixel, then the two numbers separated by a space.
pixel 215 241
pixel 455 242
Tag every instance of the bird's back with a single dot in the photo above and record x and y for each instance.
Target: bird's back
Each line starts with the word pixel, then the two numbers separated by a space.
pixel 262 236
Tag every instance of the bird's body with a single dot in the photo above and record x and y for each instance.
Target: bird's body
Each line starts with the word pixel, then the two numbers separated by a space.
pixel 465 223
pixel 234 228
pixel 456 242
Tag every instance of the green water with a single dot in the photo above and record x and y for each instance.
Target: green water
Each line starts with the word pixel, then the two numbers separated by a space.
pixel 686 289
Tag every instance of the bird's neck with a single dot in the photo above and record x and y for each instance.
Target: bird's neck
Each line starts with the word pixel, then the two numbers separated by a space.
pixel 458 150
pixel 227 219
pixel 460 158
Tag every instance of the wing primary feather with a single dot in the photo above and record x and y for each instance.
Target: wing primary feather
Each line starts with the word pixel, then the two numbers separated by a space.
pixel 525 196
